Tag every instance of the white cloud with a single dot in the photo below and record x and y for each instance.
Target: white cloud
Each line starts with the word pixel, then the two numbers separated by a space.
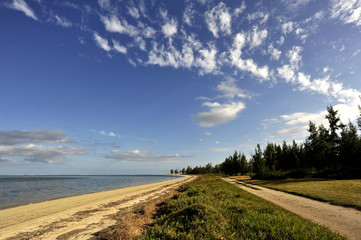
pixel 113 24
pixel 263 17
pixel 348 11
pixel 294 57
pixel 281 41
pixel 294 5
pixel 342 48
pixel 39 153
pixel 229 89
pixel 239 10
pixel 140 43
pixel 219 113
pixel 295 132
pixel 256 38
pixel 61 21
pixel 104 4
pixel 170 28
pixel 170 56
pixel 207 133
pixel 356 53
pixel 218 19
pixel 188 15
pixel 146 31
pixel 221 149
pixel 101 42
pixel 287 73
pixel 40 135
pixel 133 11
pixel 109 134
pixel 119 48
pixel 140 156
pixel 207 60
pixel 275 53
pixel 247 65
pixel 287 27
pixel 22 6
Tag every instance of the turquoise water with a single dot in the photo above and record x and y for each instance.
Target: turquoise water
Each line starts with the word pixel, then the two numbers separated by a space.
pixel 19 190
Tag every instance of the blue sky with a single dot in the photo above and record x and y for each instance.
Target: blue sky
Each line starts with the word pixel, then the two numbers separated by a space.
pixel 142 87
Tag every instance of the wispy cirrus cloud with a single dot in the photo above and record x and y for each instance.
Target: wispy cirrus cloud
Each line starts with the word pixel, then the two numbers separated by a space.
pixel 101 42
pixel 114 24
pixel 22 6
pixel 140 156
pixel 60 21
pixel 348 11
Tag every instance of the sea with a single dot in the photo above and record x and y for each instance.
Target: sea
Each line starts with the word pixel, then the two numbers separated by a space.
pixel 26 189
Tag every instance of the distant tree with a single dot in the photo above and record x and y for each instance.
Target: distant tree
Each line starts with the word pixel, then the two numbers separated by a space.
pixel 183 171
pixel 259 165
pixel 189 170
pixel 176 171
pixel 171 171
pixel 349 147
pixel 335 124
pixel 359 118
pixel 208 169
pixel 244 167
pixel 269 155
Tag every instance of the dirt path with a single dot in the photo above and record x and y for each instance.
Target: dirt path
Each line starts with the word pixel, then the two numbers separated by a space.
pixel 346 221
pixel 81 216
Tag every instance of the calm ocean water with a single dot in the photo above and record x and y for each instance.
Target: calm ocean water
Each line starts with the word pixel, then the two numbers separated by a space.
pixel 19 190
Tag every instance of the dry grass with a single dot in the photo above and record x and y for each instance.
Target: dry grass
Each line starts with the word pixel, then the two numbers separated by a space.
pixel 340 192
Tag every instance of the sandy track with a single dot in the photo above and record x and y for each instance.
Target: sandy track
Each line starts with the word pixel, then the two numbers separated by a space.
pixel 346 221
pixel 78 217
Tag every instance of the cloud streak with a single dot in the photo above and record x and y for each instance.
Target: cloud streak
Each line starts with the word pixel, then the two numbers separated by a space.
pixel 22 6
pixel 140 156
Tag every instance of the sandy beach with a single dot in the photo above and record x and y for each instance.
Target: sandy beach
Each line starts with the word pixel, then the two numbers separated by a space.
pixel 79 217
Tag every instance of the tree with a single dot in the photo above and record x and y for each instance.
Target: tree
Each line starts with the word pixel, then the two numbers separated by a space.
pixel 359 118
pixel 335 124
pixel 171 171
pixel 244 167
pixel 269 155
pixel 183 171
pixel 259 166
pixel 349 147
pixel 176 171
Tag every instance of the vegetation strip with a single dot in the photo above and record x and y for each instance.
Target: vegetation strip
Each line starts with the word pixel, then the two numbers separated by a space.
pixel 210 208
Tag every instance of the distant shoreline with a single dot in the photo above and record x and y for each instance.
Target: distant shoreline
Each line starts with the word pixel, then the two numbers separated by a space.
pixel 19 190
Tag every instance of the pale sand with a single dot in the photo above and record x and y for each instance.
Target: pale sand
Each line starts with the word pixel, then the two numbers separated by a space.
pixel 77 217
pixel 346 221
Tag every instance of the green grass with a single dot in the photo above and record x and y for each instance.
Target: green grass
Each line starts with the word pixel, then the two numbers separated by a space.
pixel 339 192
pixel 210 208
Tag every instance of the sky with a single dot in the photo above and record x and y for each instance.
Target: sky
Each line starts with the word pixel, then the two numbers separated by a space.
pixel 145 86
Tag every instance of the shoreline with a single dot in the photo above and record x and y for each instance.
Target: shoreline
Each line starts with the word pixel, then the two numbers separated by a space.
pixel 82 191
pixel 54 217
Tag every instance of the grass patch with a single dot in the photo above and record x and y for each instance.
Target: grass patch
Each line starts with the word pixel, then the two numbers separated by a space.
pixel 339 192
pixel 210 208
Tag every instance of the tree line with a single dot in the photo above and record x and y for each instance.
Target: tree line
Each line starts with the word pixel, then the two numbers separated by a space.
pixel 331 151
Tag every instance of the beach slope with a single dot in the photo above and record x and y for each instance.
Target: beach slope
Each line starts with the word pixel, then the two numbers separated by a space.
pixel 78 217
